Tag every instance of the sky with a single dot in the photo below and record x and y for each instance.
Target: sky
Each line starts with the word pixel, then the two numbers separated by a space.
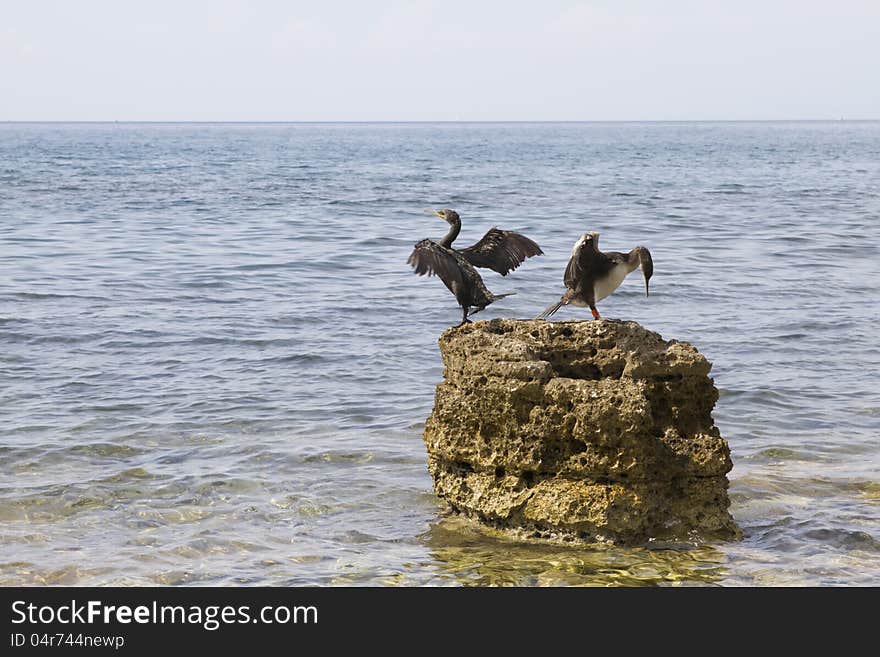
pixel 445 60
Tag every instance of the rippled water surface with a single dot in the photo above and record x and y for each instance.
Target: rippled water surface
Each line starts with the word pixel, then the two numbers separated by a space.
pixel 216 364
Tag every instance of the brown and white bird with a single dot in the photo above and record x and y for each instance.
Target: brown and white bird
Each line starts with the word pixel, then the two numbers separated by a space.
pixel 501 250
pixel 592 275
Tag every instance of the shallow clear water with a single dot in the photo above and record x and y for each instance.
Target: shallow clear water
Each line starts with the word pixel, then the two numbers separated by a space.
pixel 216 364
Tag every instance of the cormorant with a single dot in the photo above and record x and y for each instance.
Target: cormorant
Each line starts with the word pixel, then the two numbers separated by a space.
pixel 592 275
pixel 501 250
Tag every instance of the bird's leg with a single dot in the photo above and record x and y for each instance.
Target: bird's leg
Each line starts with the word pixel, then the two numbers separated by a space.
pixel 464 314
pixel 595 312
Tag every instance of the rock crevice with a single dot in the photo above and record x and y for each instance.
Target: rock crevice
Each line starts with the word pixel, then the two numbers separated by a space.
pixel 593 430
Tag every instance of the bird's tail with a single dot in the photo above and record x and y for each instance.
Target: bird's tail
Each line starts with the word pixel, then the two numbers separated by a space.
pixel 552 309
pixel 495 297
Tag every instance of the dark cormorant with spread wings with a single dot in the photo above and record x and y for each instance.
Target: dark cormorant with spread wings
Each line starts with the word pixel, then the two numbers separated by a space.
pixel 592 275
pixel 501 250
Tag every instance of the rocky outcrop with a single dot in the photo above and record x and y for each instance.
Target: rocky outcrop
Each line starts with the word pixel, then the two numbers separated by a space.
pixel 592 430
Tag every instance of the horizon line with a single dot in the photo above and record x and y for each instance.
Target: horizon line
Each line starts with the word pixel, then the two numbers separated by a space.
pixel 425 121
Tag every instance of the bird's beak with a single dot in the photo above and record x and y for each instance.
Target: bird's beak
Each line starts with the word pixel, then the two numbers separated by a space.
pixel 437 213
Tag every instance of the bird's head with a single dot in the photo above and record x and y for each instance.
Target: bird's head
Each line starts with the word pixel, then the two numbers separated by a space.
pixel 449 216
pixel 647 264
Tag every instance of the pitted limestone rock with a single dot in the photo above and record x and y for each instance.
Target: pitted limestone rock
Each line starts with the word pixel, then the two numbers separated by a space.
pixel 594 430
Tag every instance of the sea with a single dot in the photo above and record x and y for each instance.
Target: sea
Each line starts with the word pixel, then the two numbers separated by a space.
pixel 216 364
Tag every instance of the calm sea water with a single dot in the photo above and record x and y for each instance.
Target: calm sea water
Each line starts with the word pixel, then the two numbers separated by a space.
pixel 216 364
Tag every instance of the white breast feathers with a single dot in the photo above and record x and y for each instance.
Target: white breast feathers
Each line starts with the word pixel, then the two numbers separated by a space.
pixel 605 286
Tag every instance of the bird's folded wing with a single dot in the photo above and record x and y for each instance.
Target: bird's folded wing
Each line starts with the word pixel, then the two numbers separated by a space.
pixel 432 259
pixel 501 250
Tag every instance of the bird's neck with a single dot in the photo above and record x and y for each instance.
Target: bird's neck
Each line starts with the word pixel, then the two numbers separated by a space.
pixel 449 238
pixel 632 260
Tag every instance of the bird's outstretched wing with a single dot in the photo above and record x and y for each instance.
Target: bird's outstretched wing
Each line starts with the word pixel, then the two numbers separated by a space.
pixel 501 250
pixel 430 258
pixel 617 258
pixel 578 263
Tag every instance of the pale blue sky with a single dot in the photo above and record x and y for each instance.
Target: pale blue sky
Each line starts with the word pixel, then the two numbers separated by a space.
pixel 267 60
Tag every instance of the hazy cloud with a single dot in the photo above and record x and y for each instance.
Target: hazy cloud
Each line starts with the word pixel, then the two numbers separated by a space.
pixel 427 60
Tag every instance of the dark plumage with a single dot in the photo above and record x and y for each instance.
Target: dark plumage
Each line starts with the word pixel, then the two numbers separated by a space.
pixel 592 275
pixel 500 250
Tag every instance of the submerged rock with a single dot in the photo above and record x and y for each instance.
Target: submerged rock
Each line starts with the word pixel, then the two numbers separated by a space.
pixel 593 430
